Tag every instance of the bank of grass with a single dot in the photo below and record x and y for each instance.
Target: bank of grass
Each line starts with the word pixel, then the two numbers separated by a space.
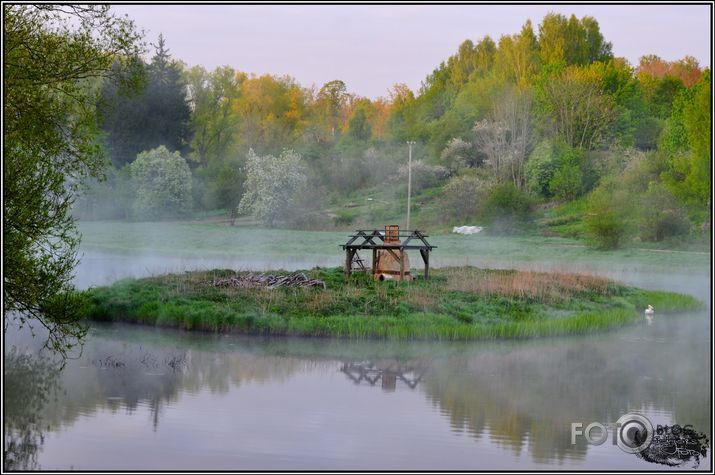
pixel 462 303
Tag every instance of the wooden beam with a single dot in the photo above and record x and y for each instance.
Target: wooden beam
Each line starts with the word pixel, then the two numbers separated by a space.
pixel 374 260
pixel 402 265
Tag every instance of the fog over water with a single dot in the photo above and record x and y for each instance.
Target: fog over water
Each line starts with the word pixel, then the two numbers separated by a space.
pixel 145 398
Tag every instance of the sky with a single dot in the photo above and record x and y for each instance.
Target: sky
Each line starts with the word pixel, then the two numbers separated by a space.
pixel 372 47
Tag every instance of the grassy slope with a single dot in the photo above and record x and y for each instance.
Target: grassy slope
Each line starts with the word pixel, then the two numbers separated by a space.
pixel 458 303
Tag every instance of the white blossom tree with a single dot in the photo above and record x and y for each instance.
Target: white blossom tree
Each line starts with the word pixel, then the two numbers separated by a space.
pixel 272 184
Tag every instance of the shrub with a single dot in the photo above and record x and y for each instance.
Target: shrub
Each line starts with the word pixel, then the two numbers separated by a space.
pixel 540 169
pixel 660 215
pixel 161 181
pixel 423 175
pixel 606 216
pixel 272 184
pixel 461 197
pixel 567 182
pixel 507 209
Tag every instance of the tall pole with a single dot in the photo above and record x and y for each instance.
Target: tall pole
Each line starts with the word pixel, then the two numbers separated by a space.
pixel 409 181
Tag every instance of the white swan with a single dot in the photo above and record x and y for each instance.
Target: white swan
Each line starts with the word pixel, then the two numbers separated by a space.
pixel 649 310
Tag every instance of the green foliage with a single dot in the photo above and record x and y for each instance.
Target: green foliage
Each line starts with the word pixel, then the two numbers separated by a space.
pixel 220 184
pixel 158 115
pixel 540 168
pixel 162 185
pixel 54 57
pixel 687 137
pixel 461 197
pixel 272 184
pixel 507 209
pixel 566 183
pixel 660 215
pixel 607 216
pixel 213 98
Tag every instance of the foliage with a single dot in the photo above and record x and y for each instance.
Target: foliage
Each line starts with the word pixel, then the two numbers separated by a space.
pixel 221 184
pixel 578 109
pixel 660 215
pixel 213 119
pixel 423 175
pixel 159 115
pixel 162 185
pixel 54 55
pixel 461 197
pixel 272 184
pixel 507 209
pixel 567 181
pixel 540 169
pixel 607 216
pixel 506 138
pixel 687 137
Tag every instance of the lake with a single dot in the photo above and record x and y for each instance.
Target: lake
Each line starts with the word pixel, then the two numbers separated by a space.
pixel 140 398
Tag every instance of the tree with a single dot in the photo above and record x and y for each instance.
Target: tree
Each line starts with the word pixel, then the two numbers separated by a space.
pixel 53 56
pixel 213 120
pixel 580 111
pixel 160 115
pixel 506 138
pixel 272 113
pixel 162 184
pixel 271 185
pixel 331 104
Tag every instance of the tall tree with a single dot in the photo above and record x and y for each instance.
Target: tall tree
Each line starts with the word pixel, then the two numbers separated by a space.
pixel 578 108
pixel 214 119
pixel 158 116
pixel 53 54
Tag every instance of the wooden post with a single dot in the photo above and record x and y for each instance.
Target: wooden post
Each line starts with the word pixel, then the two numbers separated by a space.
pixel 402 265
pixel 425 258
pixel 348 261
pixel 374 261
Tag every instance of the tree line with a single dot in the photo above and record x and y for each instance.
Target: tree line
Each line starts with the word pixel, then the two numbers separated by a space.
pixel 544 115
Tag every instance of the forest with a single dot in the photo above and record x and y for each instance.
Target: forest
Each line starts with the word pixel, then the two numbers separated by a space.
pixel 543 131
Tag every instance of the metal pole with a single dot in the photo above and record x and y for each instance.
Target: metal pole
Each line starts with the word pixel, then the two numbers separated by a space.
pixel 409 182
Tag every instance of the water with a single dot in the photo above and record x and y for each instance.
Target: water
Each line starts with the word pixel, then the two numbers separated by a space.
pixel 144 398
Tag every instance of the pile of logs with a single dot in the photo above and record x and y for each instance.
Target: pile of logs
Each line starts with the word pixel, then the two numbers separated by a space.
pixel 268 281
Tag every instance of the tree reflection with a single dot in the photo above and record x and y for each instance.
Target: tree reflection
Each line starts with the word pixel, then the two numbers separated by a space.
pixel 30 382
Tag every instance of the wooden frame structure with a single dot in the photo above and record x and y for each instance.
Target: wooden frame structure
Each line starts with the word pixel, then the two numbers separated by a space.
pixel 375 240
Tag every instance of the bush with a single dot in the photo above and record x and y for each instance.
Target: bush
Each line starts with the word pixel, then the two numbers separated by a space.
pixel 606 217
pixel 272 184
pixel 461 197
pixel 540 169
pixel 660 215
pixel 423 175
pixel 161 181
pixel 507 209
pixel 567 182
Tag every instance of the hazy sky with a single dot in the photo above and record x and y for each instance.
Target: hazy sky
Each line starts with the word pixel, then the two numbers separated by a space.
pixel 372 47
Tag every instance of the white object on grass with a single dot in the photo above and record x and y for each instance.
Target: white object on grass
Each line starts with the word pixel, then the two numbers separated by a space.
pixel 466 229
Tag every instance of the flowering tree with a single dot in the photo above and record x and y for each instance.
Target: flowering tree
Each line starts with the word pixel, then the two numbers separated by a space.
pixel 271 185
pixel 162 184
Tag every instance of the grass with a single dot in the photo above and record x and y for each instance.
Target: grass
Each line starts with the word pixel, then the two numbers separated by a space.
pixel 464 303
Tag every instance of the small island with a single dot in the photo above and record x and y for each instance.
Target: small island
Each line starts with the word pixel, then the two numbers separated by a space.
pixel 458 303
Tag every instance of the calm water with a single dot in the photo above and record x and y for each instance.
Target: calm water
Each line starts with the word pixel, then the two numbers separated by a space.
pixel 143 398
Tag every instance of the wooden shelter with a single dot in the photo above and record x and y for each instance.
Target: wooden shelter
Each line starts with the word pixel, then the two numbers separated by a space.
pixel 387 242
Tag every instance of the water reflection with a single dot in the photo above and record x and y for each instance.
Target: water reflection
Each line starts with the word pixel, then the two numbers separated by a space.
pixel 517 397
pixel 30 383
pixel 387 372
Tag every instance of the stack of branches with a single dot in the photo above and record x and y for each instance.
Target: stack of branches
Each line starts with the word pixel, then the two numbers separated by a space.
pixel 268 281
